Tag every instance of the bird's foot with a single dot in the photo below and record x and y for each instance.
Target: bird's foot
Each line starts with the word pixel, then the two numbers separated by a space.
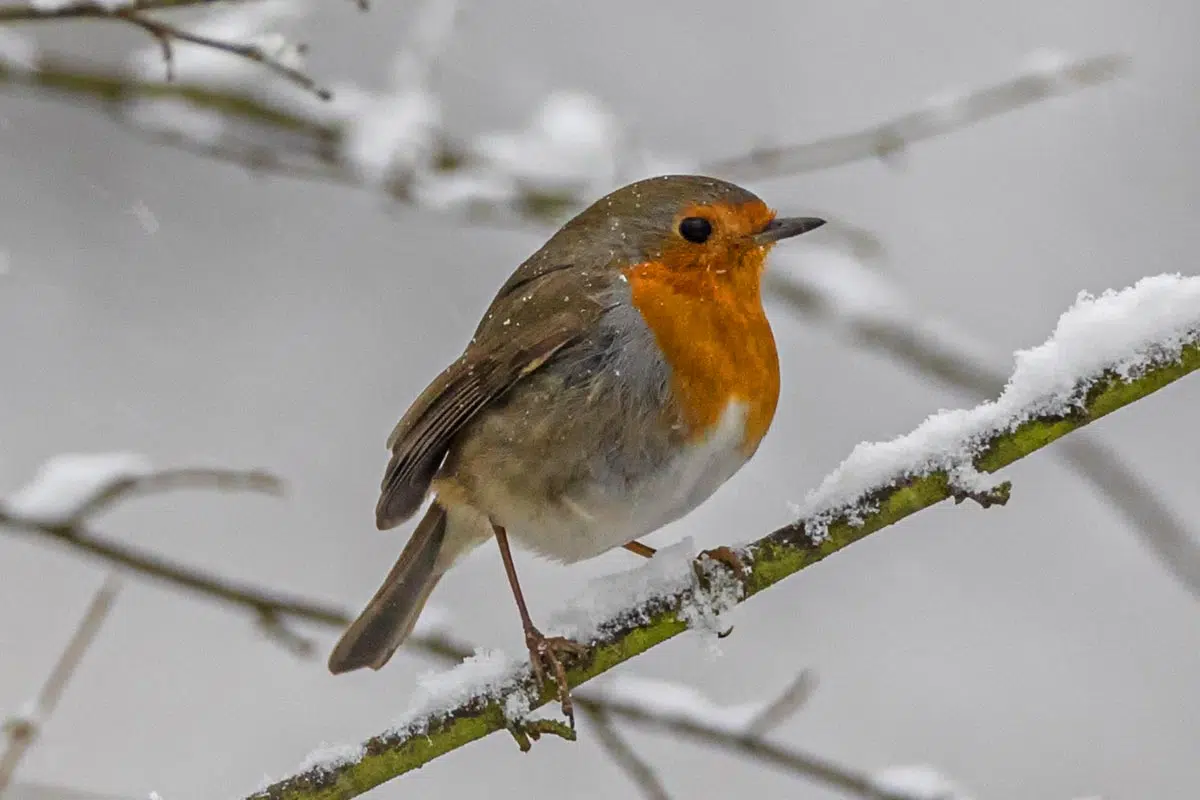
pixel 547 653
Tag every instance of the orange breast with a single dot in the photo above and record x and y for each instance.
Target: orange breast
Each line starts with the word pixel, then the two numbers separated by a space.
pixel 711 328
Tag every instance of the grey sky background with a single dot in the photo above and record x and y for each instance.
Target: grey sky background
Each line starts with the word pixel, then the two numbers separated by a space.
pixel 1036 651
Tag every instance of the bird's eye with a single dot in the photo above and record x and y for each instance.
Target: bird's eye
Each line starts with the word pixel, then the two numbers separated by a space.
pixel 695 229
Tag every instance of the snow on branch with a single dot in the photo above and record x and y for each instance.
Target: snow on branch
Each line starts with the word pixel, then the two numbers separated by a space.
pixel 864 305
pixel 1105 353
pixel 70 489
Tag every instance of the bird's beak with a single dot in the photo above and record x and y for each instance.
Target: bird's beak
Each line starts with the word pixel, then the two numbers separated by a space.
pixel 786 227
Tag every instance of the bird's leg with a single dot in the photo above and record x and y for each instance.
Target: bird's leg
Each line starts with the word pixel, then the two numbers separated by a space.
pixel 544 651
pixel 643 550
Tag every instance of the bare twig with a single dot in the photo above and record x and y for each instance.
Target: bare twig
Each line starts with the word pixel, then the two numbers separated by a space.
pixel 183 478
pixel 827 772
pixel 167 34
pixel 624 754
pixel 23 731
pixel 941 116
pixel 269 606
pixel 788 703
pixel 35 12
pixel 271 609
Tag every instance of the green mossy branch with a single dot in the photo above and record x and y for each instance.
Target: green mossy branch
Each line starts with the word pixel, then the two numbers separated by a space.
pixel 771 559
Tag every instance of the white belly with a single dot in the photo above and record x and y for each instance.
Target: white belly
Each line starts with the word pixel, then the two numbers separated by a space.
pixel 598 518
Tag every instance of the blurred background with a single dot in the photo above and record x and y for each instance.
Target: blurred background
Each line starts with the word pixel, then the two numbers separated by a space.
pixel 156 301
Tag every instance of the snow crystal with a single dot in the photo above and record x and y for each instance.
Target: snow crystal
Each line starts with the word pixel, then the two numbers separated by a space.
pixel 17 52
pixel 67 483
pixel 673 701
pixel 704 609
pixel 1123 332
pixel 517 706
pixel 144 216
pixel 328 757
pixel 916 782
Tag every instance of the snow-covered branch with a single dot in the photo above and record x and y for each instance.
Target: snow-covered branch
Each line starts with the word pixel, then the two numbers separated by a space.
pixel 862 304
pixel 69 490
pixel 1105 353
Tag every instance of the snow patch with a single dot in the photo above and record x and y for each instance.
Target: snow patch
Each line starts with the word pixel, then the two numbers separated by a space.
pixel 917 782
pixel 329 757
pixel 18 53
pixel 66 484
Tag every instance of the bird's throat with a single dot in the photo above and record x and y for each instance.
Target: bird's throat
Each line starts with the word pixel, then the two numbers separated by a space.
pixel 715 337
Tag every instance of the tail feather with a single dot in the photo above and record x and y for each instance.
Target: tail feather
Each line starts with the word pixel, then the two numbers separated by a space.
pixel 390 616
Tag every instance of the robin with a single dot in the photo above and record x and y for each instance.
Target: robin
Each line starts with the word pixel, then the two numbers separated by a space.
pixel 621 375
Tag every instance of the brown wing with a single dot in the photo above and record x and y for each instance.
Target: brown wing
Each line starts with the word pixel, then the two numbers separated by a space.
pixel 517 336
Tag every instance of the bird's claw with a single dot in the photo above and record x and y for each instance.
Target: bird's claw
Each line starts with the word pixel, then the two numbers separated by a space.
pixel 549 652
pixel 728 557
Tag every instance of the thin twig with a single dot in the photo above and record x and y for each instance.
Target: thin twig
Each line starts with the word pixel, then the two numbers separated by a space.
pixel 623 753
pixel 183 478
pixel 29 12
pixel 786 705
pixel 72 81
pixel 937 118
pixel 22 732
pixel 166 35
pixel 822 770
pixel 267 605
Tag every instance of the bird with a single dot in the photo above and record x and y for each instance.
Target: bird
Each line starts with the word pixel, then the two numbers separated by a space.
pixel 620 376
